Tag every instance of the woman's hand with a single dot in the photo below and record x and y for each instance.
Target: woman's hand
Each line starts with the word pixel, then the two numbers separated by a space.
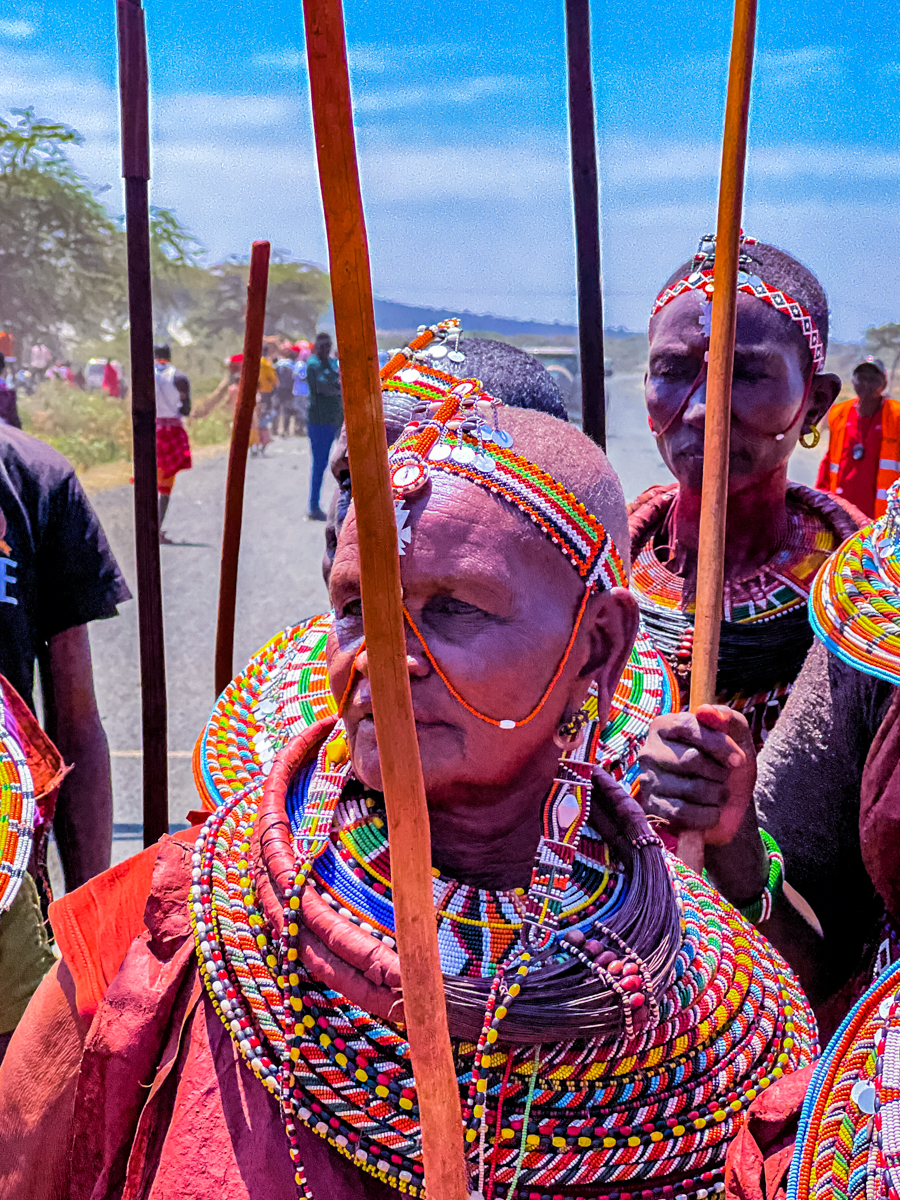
pixel 698 771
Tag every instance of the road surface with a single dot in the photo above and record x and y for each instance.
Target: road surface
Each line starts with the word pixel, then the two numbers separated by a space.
pixel 280 583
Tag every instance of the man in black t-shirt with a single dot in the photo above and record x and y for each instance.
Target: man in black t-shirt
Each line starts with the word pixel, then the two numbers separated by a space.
pixel 57 573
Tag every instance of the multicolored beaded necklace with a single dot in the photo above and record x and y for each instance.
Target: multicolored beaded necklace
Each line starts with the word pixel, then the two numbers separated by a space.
pixel 848 1141
pixel 766 633
pixel 650 1109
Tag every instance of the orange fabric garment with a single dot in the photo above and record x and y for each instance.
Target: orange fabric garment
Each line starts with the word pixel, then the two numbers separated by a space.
pixel 95 925
pixel 165 1106
pixel 839 450
pixel 759 1157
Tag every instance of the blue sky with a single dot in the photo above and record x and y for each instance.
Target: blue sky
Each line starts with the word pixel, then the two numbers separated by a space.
pixel 463 141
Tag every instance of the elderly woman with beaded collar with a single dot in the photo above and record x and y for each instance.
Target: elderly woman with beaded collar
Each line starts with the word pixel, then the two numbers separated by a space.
pixel 240 1033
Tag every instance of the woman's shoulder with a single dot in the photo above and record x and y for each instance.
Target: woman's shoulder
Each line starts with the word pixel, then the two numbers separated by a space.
pixel 282 691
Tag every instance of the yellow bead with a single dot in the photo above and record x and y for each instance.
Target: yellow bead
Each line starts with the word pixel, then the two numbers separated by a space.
pixel 751 1094
pixel 609 1143
pixel 532 1140
pixel 492 1036
pixel 634 1141
pixel 584 1141
pixel 506 1134
pixel 293 930
pixel 501 1012
pixel 382 1092
pixel 523 970
pixel 678 1131
pixel 719 1115
pixel 325 1040
pixel 341 1060
pixel 558 1142
pixel 361 1076
pixel 699 1123
pixel 514 990
pixel 783 1059
pixel 294 980
pixel 296 1003
pixel 656 1136
pixel 481 1085
pixel 778 1072
pixel 309 1021
pixel 293 954
pixel 405 1103
pixel 478 1110
pixel 471 1135
pixel 299 1029
pixel 261 941
pixel 526 957
pixel 295 1054
pixel 295 902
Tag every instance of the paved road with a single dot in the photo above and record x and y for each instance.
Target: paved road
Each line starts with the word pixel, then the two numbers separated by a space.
pixel 280 583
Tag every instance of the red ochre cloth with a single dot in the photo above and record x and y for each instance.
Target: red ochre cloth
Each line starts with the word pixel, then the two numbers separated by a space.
pixel 173 450
pixel 164 1106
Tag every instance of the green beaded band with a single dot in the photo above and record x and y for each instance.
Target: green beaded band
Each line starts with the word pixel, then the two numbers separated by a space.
pixel 760 909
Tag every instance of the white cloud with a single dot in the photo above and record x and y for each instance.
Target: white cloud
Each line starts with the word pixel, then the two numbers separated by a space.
pixel 800 65
pixel 18 31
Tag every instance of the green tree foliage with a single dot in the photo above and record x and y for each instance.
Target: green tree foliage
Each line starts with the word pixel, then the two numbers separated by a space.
pixel 883 341
pixel 61 253
pixel 298 294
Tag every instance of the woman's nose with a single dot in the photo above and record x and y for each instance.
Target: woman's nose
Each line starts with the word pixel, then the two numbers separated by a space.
pixel 695 413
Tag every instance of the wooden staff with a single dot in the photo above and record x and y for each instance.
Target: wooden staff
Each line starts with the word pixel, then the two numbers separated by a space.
pixel 587 220
pixel 257 286
pixel 404 791
pixel 133 89
pixel 713 509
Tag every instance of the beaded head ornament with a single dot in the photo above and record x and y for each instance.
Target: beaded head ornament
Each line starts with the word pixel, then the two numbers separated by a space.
pixel 854 605
pixel 700 278
pixel 17 807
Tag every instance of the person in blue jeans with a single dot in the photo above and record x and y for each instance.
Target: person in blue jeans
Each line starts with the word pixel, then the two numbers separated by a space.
pixel 326 415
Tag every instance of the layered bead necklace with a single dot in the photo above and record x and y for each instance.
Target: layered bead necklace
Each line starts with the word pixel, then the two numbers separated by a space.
pixel 647 1112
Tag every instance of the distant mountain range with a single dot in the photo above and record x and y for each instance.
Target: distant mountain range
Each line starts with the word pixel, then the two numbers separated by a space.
pixel 391 315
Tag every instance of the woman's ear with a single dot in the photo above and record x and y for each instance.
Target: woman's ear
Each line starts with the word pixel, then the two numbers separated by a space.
pixel 822 395
pixel 612 633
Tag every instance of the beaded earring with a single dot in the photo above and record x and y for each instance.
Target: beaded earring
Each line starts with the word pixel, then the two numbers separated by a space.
pixel 570 733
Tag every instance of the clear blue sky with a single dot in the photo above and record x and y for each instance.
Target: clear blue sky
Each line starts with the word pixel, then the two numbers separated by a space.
pixel 462 130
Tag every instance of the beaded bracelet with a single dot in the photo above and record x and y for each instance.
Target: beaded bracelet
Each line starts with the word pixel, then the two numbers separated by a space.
pixel 760 909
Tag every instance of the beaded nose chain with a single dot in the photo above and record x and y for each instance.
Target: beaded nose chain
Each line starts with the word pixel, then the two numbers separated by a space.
pixel 701 278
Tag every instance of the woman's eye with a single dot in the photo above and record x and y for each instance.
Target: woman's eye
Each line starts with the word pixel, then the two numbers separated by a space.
pixel 450 606
pixel 353 608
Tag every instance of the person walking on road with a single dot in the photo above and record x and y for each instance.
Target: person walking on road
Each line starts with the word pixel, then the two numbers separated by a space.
pixel 326 415
pixel 173 450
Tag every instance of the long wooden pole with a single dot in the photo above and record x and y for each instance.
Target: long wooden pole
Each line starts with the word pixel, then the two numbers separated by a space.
pixel 133 88
pixel 404 791
pixel 257 287
pixel 713 508
pixel 586 199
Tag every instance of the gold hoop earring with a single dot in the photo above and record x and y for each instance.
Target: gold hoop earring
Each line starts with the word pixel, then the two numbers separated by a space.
pixel 815 438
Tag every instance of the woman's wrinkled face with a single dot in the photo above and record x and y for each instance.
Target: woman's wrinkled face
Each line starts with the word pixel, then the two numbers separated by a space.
pixel 771 366
pixel 496 602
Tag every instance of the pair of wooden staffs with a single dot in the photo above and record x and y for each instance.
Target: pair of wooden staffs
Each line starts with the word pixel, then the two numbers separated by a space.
pixel 438 1095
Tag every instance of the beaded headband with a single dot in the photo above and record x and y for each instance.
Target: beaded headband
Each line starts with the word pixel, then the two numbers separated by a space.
pixel 453 436
pixel 700 278
pixel 17 808
pixel 854 605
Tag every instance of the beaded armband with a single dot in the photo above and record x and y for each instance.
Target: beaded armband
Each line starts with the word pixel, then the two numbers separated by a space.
pixel 760 909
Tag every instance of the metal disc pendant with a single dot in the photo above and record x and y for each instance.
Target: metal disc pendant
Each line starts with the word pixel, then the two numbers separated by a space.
pixel 456 356
pixel 464 455
pixel 409 375
pixel 502 438
pixel 408 478
pixel 485 464
pixel 439 452
pixel 437 351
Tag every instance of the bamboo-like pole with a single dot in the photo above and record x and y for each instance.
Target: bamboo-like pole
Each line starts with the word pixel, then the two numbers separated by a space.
pixel 133 89
pixel 404 791
pixel 717 432
pixel 254 322
pixel 586 197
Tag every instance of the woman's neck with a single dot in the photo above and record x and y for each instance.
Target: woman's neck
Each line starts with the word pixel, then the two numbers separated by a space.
pixel 756 523
pixel 488 836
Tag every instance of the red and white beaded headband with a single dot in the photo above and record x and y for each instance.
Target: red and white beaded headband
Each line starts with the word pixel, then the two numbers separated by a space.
pixel 700 278
pixel 453 436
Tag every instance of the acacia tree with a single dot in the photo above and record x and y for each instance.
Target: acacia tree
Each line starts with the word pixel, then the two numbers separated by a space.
pixel 61 253
pixel 298 294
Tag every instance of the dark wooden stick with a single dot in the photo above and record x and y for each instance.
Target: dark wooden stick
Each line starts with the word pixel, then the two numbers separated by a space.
pixel 404 791
pixel 237 462
pixel 717 435
pixel 587 220
pixel 133 88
